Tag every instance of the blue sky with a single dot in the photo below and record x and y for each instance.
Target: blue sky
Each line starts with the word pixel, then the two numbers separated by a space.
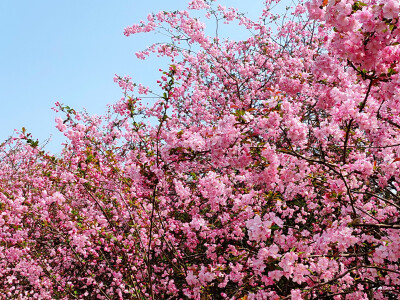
pixel 69 51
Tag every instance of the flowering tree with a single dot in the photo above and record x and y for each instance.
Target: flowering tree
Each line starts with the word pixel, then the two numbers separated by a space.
pixel 269 170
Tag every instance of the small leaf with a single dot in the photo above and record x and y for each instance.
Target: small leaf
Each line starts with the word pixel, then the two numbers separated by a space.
pixel 396 159
pixel 239 113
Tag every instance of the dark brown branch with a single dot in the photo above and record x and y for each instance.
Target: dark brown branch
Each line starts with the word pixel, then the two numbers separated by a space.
pixel 389 226
pixel 346 140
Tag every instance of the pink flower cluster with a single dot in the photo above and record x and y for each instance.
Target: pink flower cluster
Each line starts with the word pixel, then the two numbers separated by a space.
pixel 268 168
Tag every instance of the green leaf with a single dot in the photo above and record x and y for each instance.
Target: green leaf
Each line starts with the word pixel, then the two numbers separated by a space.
pixel 239 112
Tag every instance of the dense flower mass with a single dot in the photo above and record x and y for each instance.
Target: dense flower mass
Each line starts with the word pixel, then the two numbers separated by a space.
pixel 269 168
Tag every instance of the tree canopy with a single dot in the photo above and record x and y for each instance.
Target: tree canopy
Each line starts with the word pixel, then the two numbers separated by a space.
pixel 267 168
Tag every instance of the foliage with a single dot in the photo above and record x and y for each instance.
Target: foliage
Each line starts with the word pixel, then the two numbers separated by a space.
pixel 270 169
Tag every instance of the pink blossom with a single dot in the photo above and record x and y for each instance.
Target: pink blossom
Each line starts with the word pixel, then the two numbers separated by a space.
pixel 258 230
pixel 296 295
pixel 390 9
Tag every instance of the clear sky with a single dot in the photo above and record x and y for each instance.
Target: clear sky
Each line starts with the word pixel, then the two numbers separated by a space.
pixel 69 51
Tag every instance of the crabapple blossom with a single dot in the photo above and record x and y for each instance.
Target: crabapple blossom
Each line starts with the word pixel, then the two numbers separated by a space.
pixel 266 168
